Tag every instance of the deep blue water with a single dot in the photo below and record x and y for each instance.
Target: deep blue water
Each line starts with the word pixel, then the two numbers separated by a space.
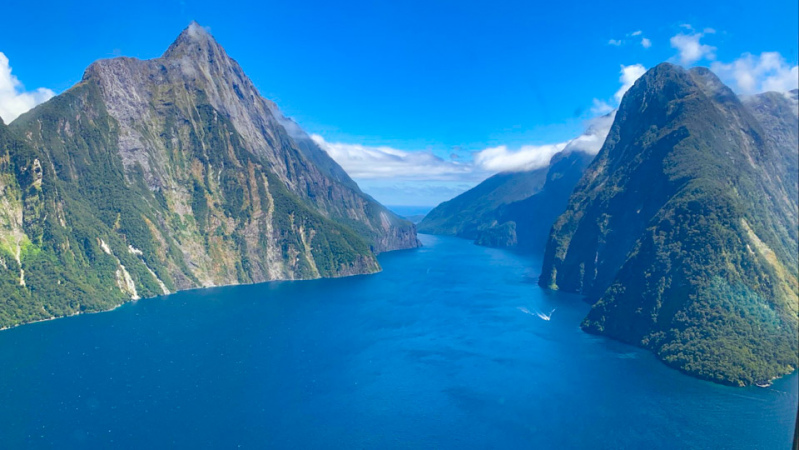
pixel 434 352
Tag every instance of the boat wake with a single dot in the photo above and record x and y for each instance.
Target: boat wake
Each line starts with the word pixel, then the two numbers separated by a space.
pixel 538 314
pixel 545 316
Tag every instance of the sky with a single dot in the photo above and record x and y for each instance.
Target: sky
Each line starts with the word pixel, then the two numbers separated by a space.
pixel 418 100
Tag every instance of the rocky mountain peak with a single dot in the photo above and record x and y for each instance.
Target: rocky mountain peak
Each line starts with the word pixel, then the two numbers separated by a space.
pixel 195 41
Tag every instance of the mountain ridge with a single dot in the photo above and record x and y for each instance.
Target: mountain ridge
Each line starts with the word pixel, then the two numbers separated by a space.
pixel 173 173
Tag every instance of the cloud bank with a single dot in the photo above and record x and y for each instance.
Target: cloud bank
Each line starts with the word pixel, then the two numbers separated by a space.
pixel 383 162
pixel 14 100
pixel 751 74
pixel 528 157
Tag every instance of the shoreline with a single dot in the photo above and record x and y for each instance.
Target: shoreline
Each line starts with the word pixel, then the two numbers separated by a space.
pixel 78 313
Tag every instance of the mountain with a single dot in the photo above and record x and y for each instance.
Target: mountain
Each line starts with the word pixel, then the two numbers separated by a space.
pixel 683 230
pixel 149 177
pixel 469 213
pixel 525 224
pixel 517 209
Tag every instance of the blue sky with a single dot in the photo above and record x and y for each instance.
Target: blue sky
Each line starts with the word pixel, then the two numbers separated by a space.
pixel 421 79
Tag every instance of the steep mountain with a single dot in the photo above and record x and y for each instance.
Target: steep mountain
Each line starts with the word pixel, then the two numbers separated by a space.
pixel 683 230
pixel 467 214
pixel 153 176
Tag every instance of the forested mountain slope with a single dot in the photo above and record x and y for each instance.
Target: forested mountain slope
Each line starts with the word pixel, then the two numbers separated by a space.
pixel 683 230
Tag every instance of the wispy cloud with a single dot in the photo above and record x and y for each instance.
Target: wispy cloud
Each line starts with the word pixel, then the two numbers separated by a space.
pixel 383 162
pixel 635 36
pixel 14 99
pixel 594 137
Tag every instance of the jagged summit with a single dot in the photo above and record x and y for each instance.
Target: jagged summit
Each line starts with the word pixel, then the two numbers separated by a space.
pixel 194 40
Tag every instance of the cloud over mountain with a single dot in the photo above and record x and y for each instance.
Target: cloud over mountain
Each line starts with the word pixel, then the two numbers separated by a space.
pixel 14 99
pixel 751 74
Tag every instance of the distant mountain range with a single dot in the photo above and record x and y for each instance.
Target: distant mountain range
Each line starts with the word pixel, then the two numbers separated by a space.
pixel 682 232
pixel 149 177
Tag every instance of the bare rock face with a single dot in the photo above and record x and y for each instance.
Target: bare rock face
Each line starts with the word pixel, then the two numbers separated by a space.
pixel 142 95
pixel 187 176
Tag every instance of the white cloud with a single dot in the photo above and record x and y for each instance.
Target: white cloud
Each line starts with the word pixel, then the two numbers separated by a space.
pixel 383 162
pixel 377 165
pixel 615 42
pixel 636 33
pixel 14 100
pixel 751 74
pixel 397 177
pixel 629 74
pixel 529 157
pixel 594 137
pixel 690 49
pixel 646 43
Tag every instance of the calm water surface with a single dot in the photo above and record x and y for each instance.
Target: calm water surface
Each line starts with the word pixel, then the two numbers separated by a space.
pixel 443 349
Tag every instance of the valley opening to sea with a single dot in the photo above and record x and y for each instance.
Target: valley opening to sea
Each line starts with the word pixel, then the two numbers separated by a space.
pixel 451 346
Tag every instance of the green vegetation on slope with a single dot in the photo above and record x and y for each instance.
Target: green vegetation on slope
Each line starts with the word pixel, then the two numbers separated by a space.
pixel 87 224
pixel 683 236
pixel 476 209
